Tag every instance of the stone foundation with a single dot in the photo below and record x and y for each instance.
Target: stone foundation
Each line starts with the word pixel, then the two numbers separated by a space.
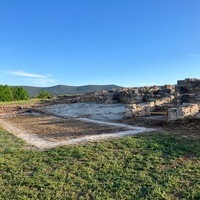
pixel 182 103
pixel 143 109
pixel 188 91
pixel 183 111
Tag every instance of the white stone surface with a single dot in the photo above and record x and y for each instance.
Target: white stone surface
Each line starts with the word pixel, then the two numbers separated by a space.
pixel 103 112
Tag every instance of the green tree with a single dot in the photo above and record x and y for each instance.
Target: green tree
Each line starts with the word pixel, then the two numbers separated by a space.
pixel 20 93
pixel 5 93
pixel 45 95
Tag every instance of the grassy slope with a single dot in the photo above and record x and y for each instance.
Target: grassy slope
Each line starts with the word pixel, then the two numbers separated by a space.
pixel 157 166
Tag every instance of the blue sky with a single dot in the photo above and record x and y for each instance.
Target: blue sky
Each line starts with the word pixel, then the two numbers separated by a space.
pixel 79 42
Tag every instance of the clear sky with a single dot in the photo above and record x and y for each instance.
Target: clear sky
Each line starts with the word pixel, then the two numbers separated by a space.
pixel 79 42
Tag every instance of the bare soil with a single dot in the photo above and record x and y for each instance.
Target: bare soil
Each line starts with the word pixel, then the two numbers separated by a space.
pixel 186 128
pixel 57 129
pixel 46 131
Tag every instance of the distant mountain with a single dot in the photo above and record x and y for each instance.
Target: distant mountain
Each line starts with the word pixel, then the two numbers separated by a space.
pixel 68 90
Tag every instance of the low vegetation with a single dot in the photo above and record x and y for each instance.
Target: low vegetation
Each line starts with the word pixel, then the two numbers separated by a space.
pixel 149 166
pixel 44 95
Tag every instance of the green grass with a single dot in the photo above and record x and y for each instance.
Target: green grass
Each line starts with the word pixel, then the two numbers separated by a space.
pixel 20 102
pixel 154 166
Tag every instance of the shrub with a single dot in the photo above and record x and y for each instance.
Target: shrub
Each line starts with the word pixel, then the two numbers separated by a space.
pixel 45 95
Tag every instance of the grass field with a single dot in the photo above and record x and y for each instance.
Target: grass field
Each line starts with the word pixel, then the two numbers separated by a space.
pixel 20 102
pixel 148 166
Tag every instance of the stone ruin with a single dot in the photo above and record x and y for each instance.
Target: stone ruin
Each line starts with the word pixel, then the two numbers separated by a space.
pixel 172 101
pixel 188 91
pixel 123 95
pixel 188 100
pixel 181 101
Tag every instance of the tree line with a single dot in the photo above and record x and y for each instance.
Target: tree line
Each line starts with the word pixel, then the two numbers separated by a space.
pixel 8 93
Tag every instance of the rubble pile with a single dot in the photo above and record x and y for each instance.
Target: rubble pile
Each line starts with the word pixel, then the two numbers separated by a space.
pixel 93 97
pixel 124 95
pixel 143 94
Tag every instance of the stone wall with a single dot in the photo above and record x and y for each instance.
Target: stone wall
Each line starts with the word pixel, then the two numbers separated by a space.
pixel 188 91
pixel 180 103
pixel 188 99
pixel 183 111
pixel 143 94
pixel 143 109
pixel 124 95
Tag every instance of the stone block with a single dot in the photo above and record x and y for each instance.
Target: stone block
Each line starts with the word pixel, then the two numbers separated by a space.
pixel 172 113
pixel 181 82
pixel 183 111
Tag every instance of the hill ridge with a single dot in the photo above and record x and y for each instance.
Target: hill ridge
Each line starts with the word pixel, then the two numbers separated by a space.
pixel 69 90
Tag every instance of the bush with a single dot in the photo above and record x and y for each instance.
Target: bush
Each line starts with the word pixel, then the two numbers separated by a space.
pixel 45 95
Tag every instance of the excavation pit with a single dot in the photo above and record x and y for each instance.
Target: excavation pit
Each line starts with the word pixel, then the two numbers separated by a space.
pixel 56 129
pixel 46 131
